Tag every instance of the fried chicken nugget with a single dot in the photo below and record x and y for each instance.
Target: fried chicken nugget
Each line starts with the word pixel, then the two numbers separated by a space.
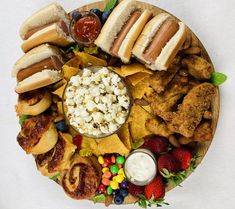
pixel 190 112
pixel 198 67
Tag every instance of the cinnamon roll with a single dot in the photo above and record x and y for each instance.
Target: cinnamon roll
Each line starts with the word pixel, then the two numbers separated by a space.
pixel 57 159
pixel 33 103
pixel 82 179
pixel 38 135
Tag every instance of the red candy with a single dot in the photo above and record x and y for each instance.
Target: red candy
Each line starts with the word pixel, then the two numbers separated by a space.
pixel 107 175
pixel 102 188
pixel 119 166
pixel 113 159
pixel 105 164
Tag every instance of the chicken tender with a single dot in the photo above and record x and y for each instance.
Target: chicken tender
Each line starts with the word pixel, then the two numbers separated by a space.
pixel 191 111
pixel 198 67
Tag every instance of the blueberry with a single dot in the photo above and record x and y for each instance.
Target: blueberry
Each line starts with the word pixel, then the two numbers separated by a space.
pixel 105 16
pixel 124 184
pixel 76 15
pixel 97 12
pixel 118 200
pixel 61 126
pixel 123 192
pixel 115 192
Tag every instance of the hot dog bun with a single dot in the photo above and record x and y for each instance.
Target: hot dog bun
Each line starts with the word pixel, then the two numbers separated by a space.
pixel 38 80
pixel 168 52
pixel 114 25
pixel 48 14
pixel 52 34
pixel 36 55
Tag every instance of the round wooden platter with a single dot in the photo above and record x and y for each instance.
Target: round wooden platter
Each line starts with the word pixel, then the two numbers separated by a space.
pixel 202 147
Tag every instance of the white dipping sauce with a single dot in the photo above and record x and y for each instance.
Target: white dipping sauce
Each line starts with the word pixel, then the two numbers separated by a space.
pixel 140 167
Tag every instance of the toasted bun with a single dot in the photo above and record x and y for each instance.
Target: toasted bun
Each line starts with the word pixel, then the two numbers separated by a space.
pixel 36 55
pixel 52 34
pixel 129 41
pixel 168 52
pixel 38 80
pixel 50 13
pixel 114 24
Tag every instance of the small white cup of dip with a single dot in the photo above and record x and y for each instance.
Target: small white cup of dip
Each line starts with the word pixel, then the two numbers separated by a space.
pixel 140 167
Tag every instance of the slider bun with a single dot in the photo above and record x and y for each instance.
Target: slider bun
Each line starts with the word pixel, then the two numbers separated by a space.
pixel 36 55
pixel 168 52
pixel 52 34
pixel 38 80
pixel 50 13
pixel 24 108
pixel 115 23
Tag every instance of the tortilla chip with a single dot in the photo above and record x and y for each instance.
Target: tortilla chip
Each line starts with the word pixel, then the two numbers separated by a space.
pixel 74 62
pixel 135 68
pixel 117 70
pixel 142 88
pixel 148 109
pixel 90 144
pixel 60 108
pixel 125 136
pixel 60 91
pixel 58 85
pixel 137 125
pixel 112 144
pixel 136 78
pixel 89 60
pixel 68 71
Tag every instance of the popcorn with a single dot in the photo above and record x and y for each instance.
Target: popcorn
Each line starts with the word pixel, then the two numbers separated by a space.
pixel 97 102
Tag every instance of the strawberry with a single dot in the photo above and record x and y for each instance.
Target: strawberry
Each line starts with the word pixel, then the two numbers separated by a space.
pixel 184 156
pixel 168 162
pixel 156 144
pixel 135 190
pixel 77 140
pixel 155 189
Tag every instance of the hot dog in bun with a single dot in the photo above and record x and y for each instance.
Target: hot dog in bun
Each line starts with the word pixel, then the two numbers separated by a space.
pixel 160 41
pixel 48 25
pixel 122 28
pixel 39 67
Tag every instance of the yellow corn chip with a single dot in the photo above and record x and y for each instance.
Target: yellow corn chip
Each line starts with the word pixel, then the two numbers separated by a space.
pixel 125 136
pixel 74 62
pixel 60 108
pixel 117 70
pixel 136 78
pixel 60 91
pixel 112 144
pixel 141 89
pixel 68 71
pixel 148 109
pixel 89 60
pixel 137 124
pixel 135 68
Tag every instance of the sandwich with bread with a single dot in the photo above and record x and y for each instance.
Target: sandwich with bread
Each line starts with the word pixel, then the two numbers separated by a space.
pixel 48 25
pixel 122 28
pixel 37 68
pixel 160 41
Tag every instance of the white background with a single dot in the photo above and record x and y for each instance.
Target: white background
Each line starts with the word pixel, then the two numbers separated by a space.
pixel 213 183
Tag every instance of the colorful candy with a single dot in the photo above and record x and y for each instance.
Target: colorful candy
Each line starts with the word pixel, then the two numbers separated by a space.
pixel 101 160
pixel 113 185
pixel 114 169
pixel 120 159
pixel 105 181
pixel 105 169
pixel 109 190
pixel 107 174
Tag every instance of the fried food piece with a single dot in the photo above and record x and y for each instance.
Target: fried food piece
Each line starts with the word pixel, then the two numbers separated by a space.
pixel 82 178
pixel 191 111
pixel 161 79
pixel 198 67
pixel 161 103
pixel 192 50
pixel 33 103
pixel 141 89
pixel 158 127
pixel 38 135
pixel 202 133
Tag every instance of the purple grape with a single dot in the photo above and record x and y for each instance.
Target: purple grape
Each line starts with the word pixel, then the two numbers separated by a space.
pixel 124 184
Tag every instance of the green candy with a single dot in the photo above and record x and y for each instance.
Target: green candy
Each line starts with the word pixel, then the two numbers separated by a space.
pixel 114 169
pixel 109 190
pixel 120 160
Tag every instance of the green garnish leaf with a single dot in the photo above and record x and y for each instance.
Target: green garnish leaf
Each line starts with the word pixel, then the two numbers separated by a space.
pixel 55 177
pixel 110 5
pixel 91 50
pixel 22 118
pixel 138 143
pixel 143 202
pixel 218 78
pixel 72 48
pixel 99 198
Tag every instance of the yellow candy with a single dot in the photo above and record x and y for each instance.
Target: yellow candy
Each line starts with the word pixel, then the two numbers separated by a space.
pixel 113 184
pixel 121 172
pixel 101 160
pixel 105 169
pixel 119 178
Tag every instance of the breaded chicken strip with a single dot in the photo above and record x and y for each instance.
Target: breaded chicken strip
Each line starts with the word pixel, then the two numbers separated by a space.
pixel 190 112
